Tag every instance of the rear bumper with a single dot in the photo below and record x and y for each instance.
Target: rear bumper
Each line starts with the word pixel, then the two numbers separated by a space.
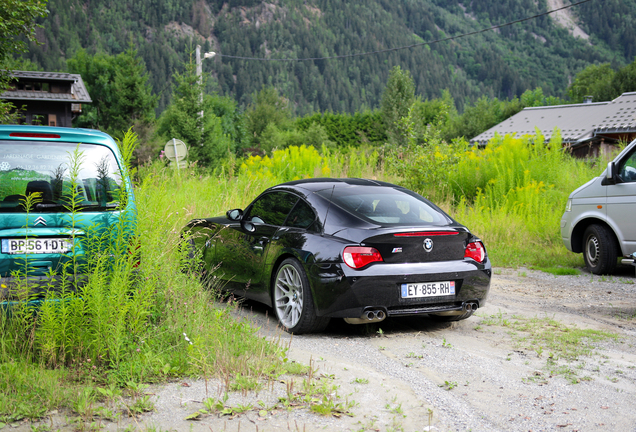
pixel 36 288
pixel 342 292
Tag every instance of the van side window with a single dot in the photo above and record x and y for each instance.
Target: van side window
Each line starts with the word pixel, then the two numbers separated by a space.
pixel 627 169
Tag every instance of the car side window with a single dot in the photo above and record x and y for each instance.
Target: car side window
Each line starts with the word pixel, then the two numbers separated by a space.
pixel 302 216
pixel 272 208
pixel 627 168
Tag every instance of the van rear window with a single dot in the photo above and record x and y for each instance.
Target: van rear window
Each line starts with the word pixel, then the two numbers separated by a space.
pixel 45 169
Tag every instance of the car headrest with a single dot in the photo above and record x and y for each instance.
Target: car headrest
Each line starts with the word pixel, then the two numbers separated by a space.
pixel 41 186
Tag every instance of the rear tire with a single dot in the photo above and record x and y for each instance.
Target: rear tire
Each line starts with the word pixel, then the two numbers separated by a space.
pixel 293 302
pixel 600 250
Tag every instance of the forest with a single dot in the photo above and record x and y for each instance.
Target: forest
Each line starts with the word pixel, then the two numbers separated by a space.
pixel 137 61
pixel 502 63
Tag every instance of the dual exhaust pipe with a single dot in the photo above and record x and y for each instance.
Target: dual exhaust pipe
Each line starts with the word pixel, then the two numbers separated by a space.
pixel 368 317
pixel 375 315
pixel 470 307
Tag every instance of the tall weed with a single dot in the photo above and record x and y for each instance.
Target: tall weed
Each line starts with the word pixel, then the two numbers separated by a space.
pixel 512 192
pixel 295 163
pixel 133 321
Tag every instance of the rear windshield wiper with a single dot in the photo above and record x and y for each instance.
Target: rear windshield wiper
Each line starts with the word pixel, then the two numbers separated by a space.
pixel 48 206
pixel 58 206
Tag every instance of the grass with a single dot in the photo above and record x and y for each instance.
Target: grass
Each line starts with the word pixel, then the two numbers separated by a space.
pixel 558 271
pixel 131 325
pixel 561 342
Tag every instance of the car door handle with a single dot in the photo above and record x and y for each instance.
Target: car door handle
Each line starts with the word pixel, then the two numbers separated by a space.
pixel 260 243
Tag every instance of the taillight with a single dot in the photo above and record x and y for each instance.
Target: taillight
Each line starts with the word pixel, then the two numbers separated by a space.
pixel 475 251
pixel 357 257
pixel 426 234
pixel 33 135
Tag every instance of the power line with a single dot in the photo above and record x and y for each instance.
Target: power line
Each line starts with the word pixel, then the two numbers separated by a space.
pixel 408 46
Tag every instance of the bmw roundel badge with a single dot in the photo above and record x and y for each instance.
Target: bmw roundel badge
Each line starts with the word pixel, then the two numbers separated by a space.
pixel 428 245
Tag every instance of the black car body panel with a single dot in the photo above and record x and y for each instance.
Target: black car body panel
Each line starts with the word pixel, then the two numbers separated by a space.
pixel 317 228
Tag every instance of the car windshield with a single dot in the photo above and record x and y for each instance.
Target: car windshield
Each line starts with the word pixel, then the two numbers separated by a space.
pixel 387 206
pixel 46 170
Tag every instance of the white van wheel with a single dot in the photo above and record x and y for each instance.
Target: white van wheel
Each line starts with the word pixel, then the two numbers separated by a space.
pixel 600 251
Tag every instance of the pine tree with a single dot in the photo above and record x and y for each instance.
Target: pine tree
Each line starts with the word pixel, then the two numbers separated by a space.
pixel 203 134
pixel 133 104
pixel 397 99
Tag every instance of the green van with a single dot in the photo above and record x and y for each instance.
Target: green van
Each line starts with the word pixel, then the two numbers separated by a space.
pixel 64 196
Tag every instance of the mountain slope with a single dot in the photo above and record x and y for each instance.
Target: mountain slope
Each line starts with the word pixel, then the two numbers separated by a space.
pixel 499 63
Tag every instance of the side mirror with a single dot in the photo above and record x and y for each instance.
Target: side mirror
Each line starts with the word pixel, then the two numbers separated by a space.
pixel 234 215
pixel 611 171
pixel 610 175
pixel 249 226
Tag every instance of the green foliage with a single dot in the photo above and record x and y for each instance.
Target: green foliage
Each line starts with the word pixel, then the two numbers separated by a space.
pixel 625 79
pixel 18 18
pixel 603 83
pixel 513 193
pixel 273 138
pixel 397 99
pixel 18 21
pixel 595 81
pixel 346 129
pixel 118 86
pixel 481 116
pixel 134 104
pixel 499 64
pixel 192 119
pixel 292 163
pixel 267 115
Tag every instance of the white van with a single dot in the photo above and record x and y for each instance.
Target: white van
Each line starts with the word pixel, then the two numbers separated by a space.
pixel 600 216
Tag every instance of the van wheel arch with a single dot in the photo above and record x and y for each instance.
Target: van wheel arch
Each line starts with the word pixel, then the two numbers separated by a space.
pixel 577 240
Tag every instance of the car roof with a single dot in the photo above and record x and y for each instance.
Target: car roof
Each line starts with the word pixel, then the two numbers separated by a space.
pixel 51 133
pixel 317 184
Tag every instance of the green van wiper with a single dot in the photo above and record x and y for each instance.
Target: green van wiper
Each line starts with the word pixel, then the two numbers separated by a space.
pixel 58 206
pixel 48 206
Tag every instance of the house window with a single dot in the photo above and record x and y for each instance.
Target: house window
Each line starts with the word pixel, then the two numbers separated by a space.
pixel 39 119
pixel 32 86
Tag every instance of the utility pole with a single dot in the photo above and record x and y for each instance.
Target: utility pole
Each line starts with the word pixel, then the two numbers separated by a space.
pixel 200 79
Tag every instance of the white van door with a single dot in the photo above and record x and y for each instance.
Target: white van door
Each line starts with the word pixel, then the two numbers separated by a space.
pixel 621 202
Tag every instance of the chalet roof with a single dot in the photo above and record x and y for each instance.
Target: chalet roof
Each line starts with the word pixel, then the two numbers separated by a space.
pixel 78 94
pixel 576 122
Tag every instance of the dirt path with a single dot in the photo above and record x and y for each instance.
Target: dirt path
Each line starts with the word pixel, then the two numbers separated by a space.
pixel 484 373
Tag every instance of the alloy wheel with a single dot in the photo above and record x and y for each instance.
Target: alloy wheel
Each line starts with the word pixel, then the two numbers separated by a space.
pixel 288 296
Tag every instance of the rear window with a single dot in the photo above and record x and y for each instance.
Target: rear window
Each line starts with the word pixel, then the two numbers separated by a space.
pixel 45 167
pixel 386 206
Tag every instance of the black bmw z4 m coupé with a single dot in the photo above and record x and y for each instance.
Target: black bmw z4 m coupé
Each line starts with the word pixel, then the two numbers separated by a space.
pixel 362 250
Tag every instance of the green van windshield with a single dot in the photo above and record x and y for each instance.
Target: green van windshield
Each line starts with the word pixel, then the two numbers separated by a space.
pixel 95 183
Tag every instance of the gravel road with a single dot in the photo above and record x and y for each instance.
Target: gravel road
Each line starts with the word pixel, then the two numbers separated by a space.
pixel 478 374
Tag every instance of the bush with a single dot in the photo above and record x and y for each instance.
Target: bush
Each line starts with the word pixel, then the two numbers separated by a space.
pixel 512 192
